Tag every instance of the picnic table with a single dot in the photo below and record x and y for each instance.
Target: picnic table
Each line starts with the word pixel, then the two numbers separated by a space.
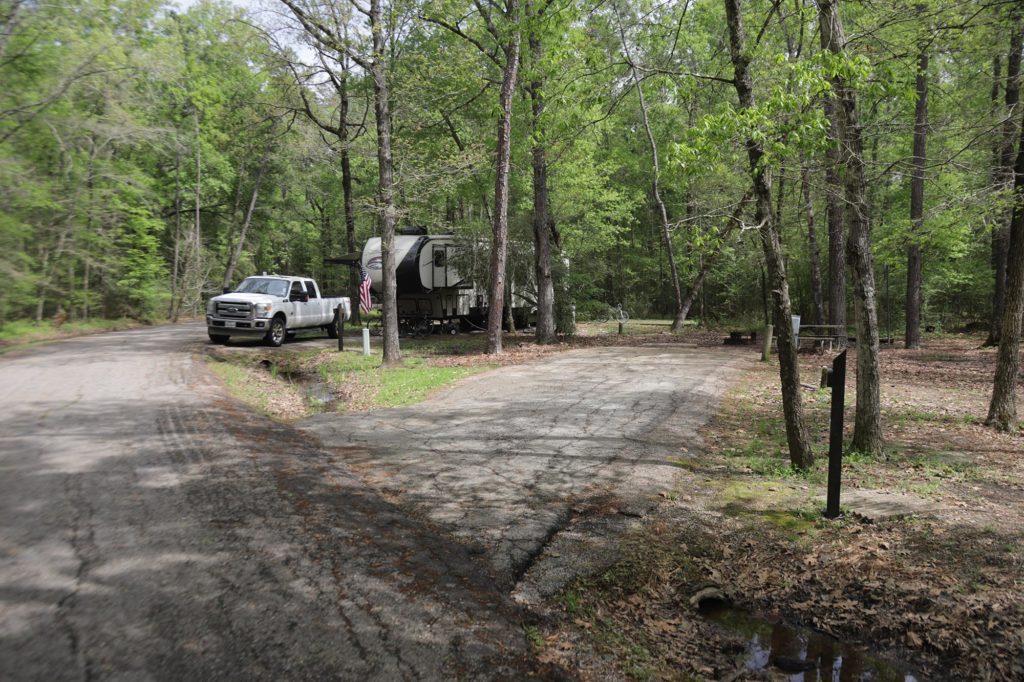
pixel 824 333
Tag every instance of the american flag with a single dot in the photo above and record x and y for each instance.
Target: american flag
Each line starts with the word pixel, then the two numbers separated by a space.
pixel 364 290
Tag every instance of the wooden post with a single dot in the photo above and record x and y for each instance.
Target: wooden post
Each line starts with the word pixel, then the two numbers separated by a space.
pixel 766 347
pixel 620 327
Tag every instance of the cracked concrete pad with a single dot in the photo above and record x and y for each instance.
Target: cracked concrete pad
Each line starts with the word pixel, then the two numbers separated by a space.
pixel 509 459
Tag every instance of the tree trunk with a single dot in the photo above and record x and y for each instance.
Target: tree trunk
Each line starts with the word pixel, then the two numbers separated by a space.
pixel 385 186
pixel 835 220
pixel 41 295
pixel 709 260
pixel 912 338
pixel 542 227
pixel 172 313
pixel 867 431
pixel 346 189
pixel 236 253
pixel 680 316
pixel 1003 176
pixel 86 275
pixel 197 232
pixel 800 453
pixel 499 237
pixel 998 242
pixel 813 250
pixel 510 319
pixel 1002 410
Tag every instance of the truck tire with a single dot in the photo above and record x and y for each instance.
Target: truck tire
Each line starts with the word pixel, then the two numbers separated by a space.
pixel 276 332
pixel 332 328
pixel 219 339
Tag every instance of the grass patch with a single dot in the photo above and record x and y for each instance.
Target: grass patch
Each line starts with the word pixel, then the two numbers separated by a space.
pixel 332 381
pixel 23 333
pixel 632 327
pixel 375 386
pixel 417 380
pixel 239 382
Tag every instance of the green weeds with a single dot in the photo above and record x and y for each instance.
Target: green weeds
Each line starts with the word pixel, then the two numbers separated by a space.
pixel 361 380
pixel 23 333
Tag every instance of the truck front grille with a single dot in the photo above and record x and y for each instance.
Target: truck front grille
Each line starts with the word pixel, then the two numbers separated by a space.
pixel 234 310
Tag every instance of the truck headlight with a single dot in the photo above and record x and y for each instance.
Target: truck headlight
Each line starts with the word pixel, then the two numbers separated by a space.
pixel 211 305
pixel 263 309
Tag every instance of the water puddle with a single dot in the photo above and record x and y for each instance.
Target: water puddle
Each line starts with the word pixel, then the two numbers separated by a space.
pixel 319 393
pixel 806 655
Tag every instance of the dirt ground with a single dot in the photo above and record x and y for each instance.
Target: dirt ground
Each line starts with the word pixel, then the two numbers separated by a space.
pixel 938 592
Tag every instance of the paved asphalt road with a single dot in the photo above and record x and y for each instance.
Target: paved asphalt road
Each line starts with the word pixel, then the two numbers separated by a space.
pixel 152 529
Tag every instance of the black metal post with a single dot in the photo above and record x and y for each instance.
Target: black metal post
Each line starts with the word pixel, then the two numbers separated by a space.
pixel 837 380
pixel 341 326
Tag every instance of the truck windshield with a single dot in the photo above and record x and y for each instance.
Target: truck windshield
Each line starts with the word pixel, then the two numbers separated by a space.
pixel 260 285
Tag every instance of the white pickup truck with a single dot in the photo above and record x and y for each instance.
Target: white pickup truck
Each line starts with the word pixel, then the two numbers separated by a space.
pixel 273 307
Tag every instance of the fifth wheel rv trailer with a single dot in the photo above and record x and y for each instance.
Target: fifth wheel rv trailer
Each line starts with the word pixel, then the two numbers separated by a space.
pixel 428 284
pixel 434 277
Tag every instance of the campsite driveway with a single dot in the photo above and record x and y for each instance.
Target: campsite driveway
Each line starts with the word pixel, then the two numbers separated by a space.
pixel 507 461
pixel 151 528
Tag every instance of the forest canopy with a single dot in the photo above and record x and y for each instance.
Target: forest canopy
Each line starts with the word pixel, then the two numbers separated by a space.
pixel 152 153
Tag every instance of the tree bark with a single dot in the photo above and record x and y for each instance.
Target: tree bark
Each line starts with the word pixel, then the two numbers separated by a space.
pixel 666 234
pixel 542 220
pixel 998 241
pixel 236 253
pixel 835 220
pixel 813 250
pixel 800 453
pixel 709 260
pixel 385 186
pixel 1003 176
pixel 1002 410
pixel 867 431
pixel 172 313
pixel 912 337
pixel 499 236
pixel 346 188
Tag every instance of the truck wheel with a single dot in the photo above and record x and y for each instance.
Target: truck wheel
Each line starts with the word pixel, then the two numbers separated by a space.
pixel 332 328
pixel 276 333
pixel 219 339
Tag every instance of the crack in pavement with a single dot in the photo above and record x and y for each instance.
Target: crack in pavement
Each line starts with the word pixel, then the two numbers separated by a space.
pixel 82 541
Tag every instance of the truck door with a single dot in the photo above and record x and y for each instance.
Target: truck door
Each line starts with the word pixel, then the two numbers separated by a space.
pixel 299 313
pixel 317 307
